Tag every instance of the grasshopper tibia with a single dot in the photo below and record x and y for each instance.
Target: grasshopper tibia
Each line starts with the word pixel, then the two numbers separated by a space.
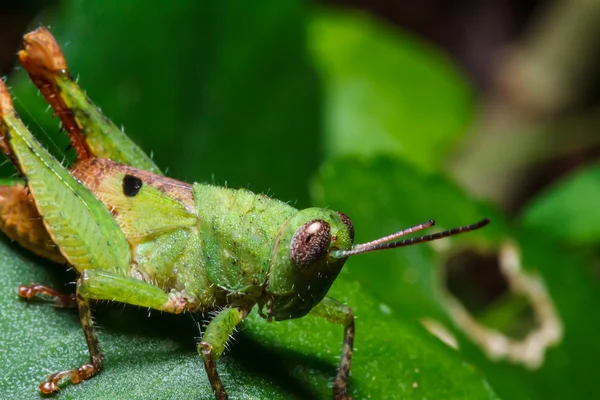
pixel 213 343
pixel 91 133
pixel 87 370
pixel 337 313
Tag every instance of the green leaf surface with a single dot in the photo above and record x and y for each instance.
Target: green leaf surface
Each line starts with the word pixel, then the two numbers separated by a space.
pixel 156 357
pixel 569 210
pixel 386 92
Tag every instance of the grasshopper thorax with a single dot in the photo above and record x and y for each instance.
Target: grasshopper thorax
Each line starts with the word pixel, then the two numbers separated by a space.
pixel 302 268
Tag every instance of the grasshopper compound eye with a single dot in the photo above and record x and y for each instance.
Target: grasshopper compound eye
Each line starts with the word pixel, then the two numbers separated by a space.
pixel 310 243
pixel 346 220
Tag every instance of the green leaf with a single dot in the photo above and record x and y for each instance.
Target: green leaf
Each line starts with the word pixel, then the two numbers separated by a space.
pixel 386 92
pixel 383 195
pixel 568 368
pixel 569 210
pixel 156 357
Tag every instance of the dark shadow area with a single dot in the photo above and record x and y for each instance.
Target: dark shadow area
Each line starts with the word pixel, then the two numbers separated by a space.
pixel 275 365
pixel 15 16
pixel 254 357
pixel 475 279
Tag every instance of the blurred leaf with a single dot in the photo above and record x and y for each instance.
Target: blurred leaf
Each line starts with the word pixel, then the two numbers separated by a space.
pixel 566 370
pixel 570 209
pixel 219 90
pixel 384 195
pixel 386 92
pixel 156 357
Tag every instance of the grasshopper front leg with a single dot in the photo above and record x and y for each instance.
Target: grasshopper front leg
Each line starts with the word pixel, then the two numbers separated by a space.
pixel 213 344
pixel 337 313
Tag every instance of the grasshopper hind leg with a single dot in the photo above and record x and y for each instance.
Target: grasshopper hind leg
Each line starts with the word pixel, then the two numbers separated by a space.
pixel 95 284
pixel 91 133
pixel 21 222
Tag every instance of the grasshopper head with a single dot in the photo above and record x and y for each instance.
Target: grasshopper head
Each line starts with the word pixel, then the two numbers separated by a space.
pixel 302 266
pixel 311 249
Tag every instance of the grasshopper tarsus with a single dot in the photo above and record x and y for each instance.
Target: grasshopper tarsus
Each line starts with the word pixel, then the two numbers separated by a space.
pixel 45 63
pixel 341 381
pixel 48 387
pixel 76 376
pixel 60 299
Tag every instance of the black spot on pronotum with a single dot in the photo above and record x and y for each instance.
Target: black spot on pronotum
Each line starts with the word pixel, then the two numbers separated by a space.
pixel 131 185
pixel 310 243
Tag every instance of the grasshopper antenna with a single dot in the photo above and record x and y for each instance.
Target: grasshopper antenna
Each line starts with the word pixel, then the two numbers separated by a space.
pixel 396 235
pixel 384 242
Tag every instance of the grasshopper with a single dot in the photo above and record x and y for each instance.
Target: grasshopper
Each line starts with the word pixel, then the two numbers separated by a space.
pixel 137 237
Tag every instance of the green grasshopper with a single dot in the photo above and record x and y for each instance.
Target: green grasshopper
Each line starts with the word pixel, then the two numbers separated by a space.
pixel 136 237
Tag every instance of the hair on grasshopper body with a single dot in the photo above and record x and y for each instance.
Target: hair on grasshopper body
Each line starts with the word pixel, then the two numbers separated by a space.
pixel 137 237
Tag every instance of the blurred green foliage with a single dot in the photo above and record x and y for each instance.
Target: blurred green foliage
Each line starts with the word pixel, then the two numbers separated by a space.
pixel 569 210
pixel 385 92
pixel 317 107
